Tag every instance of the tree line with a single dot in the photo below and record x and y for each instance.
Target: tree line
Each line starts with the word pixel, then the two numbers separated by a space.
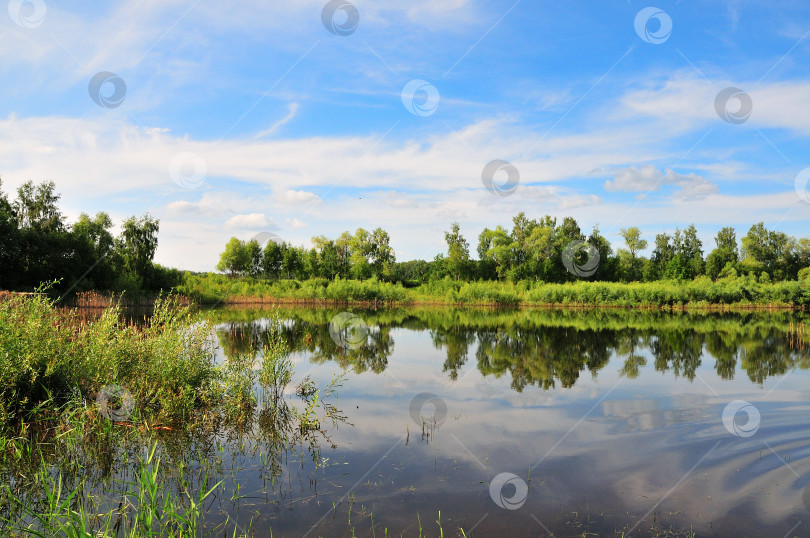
pixel 38 246
pixel 533 249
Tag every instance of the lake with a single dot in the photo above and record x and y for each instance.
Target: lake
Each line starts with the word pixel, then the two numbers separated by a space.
pixel 539 422
pixel 532 422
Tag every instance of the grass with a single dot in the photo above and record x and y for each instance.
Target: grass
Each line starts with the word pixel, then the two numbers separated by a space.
pixel 701 293
pixel 80 400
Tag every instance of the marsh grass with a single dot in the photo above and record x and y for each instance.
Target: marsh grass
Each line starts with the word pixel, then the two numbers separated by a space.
pixel 741 292
pixel 73 467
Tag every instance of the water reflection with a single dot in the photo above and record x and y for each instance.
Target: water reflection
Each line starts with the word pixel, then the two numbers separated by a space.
pixel 544 348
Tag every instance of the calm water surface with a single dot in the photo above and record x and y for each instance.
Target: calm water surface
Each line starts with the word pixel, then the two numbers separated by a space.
pixel 607 421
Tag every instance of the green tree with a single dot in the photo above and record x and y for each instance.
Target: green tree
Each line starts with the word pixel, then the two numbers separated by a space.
pixel 661 256
pixel 766 250
pixel 137 243
pixel 9 244
pixel 38 207
pixel 458 252
pixel 723 254
pixel 632 238
pixel 94 245
pixel 382 255
pixel 272 260
pixel 253 252
pixel 235 259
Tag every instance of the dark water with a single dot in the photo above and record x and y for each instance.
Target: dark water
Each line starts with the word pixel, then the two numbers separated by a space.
pixel 607 422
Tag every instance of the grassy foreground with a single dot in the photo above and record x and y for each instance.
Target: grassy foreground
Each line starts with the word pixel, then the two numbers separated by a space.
pixel 89 409
pixel 738 292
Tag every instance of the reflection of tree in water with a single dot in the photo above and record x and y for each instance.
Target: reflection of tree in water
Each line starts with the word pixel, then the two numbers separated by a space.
pixel 302 336
pixel 546 348
pixel 766 358
pixel 540 357
pixel 627 347
pixel 457 341
pixel 679 351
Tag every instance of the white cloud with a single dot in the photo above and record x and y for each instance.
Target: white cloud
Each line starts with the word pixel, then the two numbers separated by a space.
pixel 292 108
pixel 251 221
pixel 295 223
pixel 292 196
pixel 687 102
pixel 649 178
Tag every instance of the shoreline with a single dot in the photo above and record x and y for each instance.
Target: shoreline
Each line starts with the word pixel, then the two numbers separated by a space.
pixel 522 305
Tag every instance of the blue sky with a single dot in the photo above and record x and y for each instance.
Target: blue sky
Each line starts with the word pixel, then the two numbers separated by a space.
pixel 255 117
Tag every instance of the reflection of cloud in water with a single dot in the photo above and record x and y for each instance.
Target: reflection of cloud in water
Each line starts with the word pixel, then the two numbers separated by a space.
pixel 648 414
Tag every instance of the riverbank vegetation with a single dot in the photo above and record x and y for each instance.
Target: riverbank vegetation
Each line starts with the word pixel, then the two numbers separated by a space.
pixel 37 245
pixel 740 292
pixel 538 262
pixel 80 399
pixel 546 347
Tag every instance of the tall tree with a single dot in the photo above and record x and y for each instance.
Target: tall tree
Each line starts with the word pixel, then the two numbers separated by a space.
pixel 272 260
pixel 458 251
pixel 235 258
pixel 632 238
pixel 662 254
pixel 38 207
pixel 766 250
pixel 138 242
pixel 9 244
pixel 724 254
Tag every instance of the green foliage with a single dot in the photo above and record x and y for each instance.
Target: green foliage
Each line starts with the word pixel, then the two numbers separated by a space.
pixel 729 290
pixel 52 356
pixel 36 246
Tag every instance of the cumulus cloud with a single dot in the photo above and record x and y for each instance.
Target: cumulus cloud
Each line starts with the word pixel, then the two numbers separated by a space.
pixel 299 197
pixel 650 178
pixel 251 221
